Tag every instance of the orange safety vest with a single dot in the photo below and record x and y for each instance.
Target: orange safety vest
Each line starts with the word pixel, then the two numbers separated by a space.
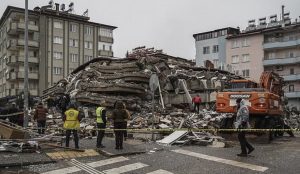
pixel 71 121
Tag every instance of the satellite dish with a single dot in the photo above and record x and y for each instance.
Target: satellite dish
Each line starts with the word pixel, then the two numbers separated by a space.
pixel 153 82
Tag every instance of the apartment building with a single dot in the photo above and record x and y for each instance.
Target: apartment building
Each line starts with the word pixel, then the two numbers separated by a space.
pixel 211 46
pixel 59 41
pixel 244 53
pixel 281 48
pixel 268 46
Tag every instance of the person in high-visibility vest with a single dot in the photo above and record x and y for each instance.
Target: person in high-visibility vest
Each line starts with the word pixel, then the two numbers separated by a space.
pixel 101 124
pixel 72 119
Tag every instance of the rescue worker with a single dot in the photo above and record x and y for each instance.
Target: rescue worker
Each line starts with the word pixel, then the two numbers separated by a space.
pixel 242 122
pixel 196 100
pixel 40 116
pixel 119 117
pixel 72 119
pixel 101 124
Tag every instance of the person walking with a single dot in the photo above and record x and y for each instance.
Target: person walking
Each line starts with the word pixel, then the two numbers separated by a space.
pixel 242 122
pixel 72 119
pixel 101 124
pixel 40 116
pixel 196 100
pixel 119 117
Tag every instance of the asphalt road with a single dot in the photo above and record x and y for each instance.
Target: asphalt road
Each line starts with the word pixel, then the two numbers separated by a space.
pixel 280 156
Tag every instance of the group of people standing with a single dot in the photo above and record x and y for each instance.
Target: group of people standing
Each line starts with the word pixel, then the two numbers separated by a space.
pixel 72 117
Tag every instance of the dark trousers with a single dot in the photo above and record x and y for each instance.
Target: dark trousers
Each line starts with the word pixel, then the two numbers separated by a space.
pixel 75 135
pixel 196 107
pixel 119 134
pixel 125 131
pixel 100 133
pixel 243 142
pixel 41 126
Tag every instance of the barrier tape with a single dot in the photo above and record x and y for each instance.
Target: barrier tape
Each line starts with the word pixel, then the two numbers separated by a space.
pixel 172 130
pixel 14 114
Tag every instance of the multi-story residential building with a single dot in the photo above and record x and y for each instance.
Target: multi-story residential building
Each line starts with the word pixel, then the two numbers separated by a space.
pixel 212 46
pixel 273 46
pixel 282 55
pixel 59 41
pixel 244 54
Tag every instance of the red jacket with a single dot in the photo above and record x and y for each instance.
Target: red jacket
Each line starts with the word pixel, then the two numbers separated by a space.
pixel 40 113
pixel 197 99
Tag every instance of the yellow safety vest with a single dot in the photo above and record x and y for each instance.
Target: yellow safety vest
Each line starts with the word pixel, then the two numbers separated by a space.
pixel 99 114
pixel 72 121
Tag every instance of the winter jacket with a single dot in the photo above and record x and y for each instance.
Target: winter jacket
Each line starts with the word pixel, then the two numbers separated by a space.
pixel 40 113
pixel 120 114
pixel 242 118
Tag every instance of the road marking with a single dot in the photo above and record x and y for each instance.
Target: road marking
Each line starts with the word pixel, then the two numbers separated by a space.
pixel 160 172
pixel 92 164
pixel 221 160
pixel 126 168
pixel 85 167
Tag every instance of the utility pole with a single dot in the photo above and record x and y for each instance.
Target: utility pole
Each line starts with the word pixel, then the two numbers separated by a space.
pixel 25 124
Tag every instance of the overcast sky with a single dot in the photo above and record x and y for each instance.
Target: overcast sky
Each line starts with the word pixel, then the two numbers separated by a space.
pixel 168 24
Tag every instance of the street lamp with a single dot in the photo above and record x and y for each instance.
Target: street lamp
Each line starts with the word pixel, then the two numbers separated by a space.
pixel 25 123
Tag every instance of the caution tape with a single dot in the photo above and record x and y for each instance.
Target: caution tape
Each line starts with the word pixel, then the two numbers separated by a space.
pixel 13 114
pixel 172 130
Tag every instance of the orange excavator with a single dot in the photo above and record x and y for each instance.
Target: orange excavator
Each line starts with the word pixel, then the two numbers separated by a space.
pixel 264 100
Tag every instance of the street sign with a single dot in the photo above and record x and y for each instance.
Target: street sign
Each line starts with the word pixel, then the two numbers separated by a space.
pixel 153 82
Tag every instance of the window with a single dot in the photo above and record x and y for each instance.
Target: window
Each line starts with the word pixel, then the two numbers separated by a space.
pixel 235 59
pixel 106 32
pixel 57 70
pixel 291 54
pixel 74 58
pixel 71 70
pixel 235 44
pixel 35 54
pixel 110 48
pixel 73 43
pixel 88 30
pixel 58 25
pixel 279 68
pixel 58 55
pixel 73 28
pixel 87 58
pixel 88 45
pixel 103 47
pixel 205 50
pixel 215 48
pixel 236 72
pixel 57 40
pixel 292 71
pixel 291 88
pixel 246 73
pixel 245 58
pixel 245 42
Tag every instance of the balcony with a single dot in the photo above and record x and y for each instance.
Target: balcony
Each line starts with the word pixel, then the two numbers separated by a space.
pixel 105 53
pixel 106 39
pixel 20 59
pixel 281 61
pixel 295 94
pixel 16 27
pixel 281 43
pixel 292 77
pixel 20 75
pixel 14 43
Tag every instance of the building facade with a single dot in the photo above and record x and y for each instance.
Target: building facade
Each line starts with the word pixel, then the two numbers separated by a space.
pixel 244 54
pixel 273 46
pixel 212 46
pixel 282 55
pixel 59 41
